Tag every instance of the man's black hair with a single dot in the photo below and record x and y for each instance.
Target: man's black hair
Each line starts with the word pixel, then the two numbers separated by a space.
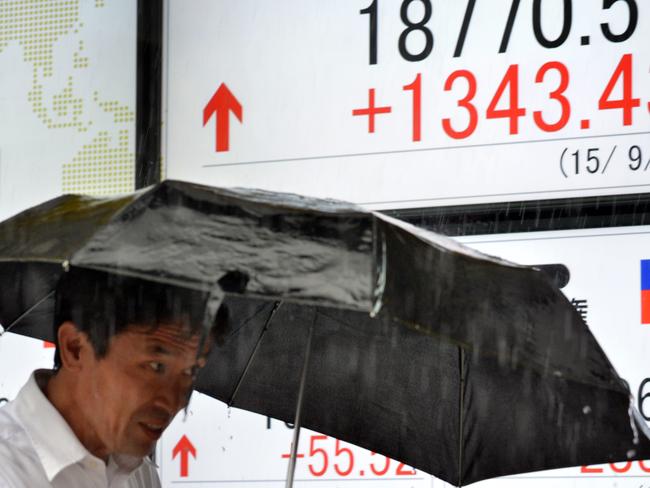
pixel 104 304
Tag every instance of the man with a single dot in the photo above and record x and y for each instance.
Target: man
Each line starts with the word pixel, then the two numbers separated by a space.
pixel 127 354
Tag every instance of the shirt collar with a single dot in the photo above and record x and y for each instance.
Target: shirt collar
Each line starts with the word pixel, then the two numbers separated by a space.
pixel 54 441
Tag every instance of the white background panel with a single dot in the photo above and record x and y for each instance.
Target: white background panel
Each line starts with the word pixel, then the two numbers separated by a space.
pixel 300 68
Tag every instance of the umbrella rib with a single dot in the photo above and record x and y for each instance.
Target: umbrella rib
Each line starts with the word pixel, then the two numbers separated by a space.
pixel 26 312
pixel 276 306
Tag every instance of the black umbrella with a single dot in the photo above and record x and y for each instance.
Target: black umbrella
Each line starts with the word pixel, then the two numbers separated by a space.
pixel 350 323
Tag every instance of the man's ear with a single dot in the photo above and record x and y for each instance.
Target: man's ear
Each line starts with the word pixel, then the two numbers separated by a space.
pixel 73 346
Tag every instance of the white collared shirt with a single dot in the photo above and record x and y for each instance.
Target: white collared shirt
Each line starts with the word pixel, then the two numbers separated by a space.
pixel 38 449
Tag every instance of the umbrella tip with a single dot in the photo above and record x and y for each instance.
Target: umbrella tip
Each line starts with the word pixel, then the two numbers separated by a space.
pixel 66 265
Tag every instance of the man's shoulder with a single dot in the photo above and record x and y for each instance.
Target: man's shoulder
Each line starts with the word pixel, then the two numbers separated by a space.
pixel 10 428
pixel 17 463
pixel 17 455
pixel 15 451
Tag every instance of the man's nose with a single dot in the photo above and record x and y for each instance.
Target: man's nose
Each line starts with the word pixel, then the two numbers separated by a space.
pixel 173 395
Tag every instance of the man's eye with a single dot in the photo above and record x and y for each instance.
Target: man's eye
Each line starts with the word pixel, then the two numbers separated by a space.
pixel 191 371
pixel 157 367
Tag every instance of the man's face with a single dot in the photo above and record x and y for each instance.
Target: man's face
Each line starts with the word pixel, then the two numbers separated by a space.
pixel 135 391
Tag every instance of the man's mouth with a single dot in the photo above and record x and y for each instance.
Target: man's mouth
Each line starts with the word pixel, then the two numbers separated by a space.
pixel 154 431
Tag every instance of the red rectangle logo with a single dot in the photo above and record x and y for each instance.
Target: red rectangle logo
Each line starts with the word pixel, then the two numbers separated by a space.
pixel 645 306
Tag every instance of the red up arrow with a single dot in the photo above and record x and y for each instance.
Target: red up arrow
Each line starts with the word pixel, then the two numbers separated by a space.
pixel 184 448
pixel 222 103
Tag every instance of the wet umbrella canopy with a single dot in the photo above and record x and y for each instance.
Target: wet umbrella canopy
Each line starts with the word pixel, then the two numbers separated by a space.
pixel 461 365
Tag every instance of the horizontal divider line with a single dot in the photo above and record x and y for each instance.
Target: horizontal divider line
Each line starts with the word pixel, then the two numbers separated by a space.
pixel 427 149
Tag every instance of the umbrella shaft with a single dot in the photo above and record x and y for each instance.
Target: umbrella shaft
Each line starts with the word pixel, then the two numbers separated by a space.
pixel 461 407
pixel 298 419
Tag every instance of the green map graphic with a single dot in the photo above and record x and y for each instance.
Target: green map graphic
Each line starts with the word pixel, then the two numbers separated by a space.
pixel 106 164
